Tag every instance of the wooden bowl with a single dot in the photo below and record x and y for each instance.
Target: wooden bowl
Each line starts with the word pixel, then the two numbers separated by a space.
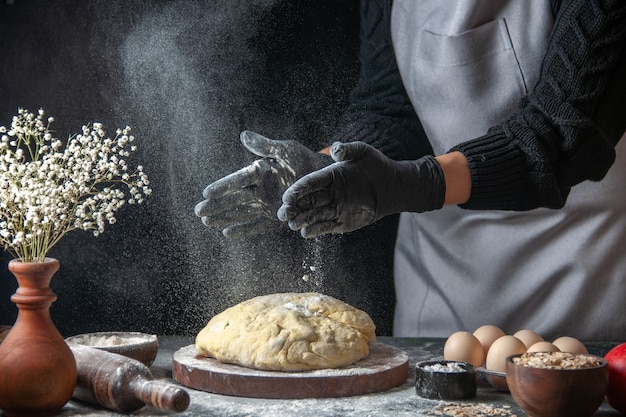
pixel 574 392
pixel 140 346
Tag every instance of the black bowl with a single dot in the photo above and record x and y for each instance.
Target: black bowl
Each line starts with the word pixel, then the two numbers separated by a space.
pixel 445 380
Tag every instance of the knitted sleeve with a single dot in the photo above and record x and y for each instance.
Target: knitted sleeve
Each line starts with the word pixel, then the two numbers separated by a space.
pixel 566 130
pixel 380 112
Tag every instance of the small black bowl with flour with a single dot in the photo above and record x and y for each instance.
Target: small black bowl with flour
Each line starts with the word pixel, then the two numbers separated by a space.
pixel 445 380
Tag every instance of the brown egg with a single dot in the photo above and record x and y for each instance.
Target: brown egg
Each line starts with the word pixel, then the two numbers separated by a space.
pixel 464 347
pixel 502 348
pixel 528 337
pixel 570 345
pixel 543 346
pixel 488 334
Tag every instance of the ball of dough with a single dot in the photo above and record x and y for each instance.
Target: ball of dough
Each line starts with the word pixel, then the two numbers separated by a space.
pixel 288 332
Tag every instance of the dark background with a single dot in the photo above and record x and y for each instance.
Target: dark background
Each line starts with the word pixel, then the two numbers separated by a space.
pixel 188 76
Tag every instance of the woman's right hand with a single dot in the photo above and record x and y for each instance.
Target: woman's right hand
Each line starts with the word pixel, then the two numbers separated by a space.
pixel 245 202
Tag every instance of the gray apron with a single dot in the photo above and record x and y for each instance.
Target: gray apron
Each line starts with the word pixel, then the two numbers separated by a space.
pixel 465 65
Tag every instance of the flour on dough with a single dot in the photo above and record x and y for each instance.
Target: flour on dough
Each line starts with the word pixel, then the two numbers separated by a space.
pixel 288 332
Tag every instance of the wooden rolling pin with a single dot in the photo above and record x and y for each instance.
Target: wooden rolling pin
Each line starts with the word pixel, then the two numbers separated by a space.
pixel 122 384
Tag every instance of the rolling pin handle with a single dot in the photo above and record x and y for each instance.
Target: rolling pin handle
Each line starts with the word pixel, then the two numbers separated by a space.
pixel 162 395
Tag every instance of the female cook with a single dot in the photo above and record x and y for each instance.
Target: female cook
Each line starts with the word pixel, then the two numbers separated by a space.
pixel 523 103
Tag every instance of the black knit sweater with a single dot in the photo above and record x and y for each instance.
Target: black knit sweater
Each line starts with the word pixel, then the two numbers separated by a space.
pixel 563 133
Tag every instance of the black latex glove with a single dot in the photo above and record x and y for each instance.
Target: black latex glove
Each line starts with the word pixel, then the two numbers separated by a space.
pixel 362 187
pixel 244 203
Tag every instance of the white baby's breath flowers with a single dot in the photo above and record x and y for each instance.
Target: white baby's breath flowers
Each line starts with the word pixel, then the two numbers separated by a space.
pixel 49 188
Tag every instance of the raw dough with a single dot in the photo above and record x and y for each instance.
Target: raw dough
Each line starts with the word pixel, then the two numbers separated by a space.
pixel 288 332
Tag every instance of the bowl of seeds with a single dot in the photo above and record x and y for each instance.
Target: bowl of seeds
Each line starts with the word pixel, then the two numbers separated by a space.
pixel 557 383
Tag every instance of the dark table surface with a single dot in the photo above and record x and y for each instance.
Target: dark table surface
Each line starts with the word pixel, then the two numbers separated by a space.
pixel 399 401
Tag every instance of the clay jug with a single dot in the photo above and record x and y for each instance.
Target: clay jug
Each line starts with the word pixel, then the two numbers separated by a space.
pixel 37 368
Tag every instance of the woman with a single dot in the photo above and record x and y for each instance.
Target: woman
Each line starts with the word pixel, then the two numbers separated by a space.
pixel 522 102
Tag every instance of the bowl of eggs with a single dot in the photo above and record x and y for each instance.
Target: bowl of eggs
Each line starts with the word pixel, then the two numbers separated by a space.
pixel 557 383
pixel 488 347
pixel 135 345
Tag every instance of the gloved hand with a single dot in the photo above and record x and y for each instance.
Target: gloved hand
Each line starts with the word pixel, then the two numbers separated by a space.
pixel 244 203
pixel 362 187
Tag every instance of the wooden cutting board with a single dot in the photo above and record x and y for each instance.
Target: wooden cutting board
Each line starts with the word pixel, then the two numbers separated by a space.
pixel 385 367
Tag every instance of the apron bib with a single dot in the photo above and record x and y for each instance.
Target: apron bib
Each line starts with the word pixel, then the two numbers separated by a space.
pixel 465 65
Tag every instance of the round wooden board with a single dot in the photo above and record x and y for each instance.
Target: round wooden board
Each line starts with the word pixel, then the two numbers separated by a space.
pixel 385 367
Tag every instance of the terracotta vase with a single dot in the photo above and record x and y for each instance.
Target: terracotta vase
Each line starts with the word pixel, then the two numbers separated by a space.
pixel 37 368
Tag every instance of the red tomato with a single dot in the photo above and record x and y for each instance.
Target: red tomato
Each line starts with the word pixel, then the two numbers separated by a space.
pixel 616 394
